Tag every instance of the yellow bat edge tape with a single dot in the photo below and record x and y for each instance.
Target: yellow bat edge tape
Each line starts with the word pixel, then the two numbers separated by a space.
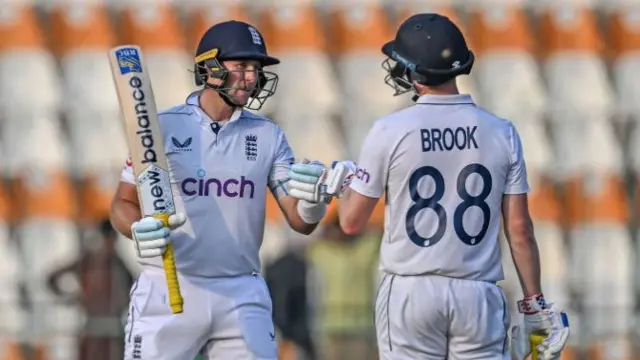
pixel 175 297
pixel 535 340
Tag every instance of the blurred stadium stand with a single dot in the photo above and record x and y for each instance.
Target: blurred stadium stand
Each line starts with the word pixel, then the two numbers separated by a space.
pixel 566 72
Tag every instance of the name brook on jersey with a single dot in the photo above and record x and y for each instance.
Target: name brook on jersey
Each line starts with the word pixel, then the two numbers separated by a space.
pixel 447 139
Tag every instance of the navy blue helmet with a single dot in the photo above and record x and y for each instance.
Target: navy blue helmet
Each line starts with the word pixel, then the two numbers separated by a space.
pixel 429 49
pixel 234 40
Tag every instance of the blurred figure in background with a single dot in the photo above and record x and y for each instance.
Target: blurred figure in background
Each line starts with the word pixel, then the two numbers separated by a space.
pixel 344 282
pixel 105 281
pixel 286 278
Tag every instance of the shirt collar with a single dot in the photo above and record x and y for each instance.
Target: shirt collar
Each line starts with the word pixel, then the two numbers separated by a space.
pixel 194 99
pixel 460 99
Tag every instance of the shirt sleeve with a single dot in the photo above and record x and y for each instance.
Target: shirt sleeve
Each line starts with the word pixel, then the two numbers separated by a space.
pixel 516 182
pixel 127 172
pixel 279 174
pixel 371 173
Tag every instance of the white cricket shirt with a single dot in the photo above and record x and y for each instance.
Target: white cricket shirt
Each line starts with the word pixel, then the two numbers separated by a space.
pixel 219 181
pixel 445 164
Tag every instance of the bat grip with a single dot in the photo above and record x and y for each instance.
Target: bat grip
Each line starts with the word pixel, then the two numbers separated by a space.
pixel 168 260
pixel 536 339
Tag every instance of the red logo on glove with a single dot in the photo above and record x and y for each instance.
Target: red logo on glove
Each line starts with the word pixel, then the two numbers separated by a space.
pixel 532 304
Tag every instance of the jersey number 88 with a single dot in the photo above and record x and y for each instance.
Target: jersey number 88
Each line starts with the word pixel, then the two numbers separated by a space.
pixel 433 203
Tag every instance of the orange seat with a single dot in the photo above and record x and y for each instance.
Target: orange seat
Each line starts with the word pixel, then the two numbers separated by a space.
pixel 500 28
pixel 153 26
pixel 405 11
pixel 603 350
pixel 569 353
pixel 292 27
pixel 202 18
pixel 624 31
pixel 569 28
pixel 273 212
pixel 599 199
pixel 544 204
pixel 44 194
pixel 5 205
pixel 95 199
pixel 356 28
pixel 19 28
pixel 80 26
pixel 12 351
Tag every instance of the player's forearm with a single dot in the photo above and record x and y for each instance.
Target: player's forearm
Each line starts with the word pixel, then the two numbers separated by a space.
pixel 351 221
pixel 123 214
pixel 526 258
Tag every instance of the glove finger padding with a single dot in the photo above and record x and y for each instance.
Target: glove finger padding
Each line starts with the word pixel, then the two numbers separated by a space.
pixel 302 186
pixel 147 224
pixel 153 244
pixel 303 195
pixel 306 180
pixel 177 220
pixel 149 253
pixel 306 173
pixel 150 235
pixel 557 335
pixel 520 345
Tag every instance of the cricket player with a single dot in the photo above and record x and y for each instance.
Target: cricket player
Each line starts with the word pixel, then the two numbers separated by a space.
pixel 450 171
pixel 222 160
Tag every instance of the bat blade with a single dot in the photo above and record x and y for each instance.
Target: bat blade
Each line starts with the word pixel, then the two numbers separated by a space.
pixel 146 148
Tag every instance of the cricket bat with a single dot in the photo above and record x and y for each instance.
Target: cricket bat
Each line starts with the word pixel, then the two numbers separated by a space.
pixel 151 171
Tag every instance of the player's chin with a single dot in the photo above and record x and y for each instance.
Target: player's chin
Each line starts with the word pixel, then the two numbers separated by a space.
pixel 241 97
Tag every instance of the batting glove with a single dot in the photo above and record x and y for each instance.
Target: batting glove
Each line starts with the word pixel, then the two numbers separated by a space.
pixel 339 177
pixel 539 318
pixel 306 181
pixel 152 237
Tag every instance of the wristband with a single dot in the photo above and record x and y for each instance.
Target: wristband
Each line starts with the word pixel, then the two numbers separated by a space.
pixel 311 213
pixel 532 304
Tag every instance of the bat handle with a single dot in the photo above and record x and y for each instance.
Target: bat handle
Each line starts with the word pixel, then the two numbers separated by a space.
pixel 168 260
pixel 536 339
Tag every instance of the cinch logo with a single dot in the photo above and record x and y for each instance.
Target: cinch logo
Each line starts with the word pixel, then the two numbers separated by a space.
pixel 241 188
pixel 362 174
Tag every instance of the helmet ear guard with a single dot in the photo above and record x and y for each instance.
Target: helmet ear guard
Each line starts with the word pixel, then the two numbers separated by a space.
pixel 402 75
pixel 208 68
pixel 460 69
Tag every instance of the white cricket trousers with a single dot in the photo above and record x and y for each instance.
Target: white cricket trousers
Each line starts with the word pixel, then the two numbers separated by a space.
pixel 223 318
pixel 432 317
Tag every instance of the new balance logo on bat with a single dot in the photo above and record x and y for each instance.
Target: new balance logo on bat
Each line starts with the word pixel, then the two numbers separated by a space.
pixel 184 146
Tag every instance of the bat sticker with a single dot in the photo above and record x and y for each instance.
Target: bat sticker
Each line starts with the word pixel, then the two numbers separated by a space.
pixel 128 61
